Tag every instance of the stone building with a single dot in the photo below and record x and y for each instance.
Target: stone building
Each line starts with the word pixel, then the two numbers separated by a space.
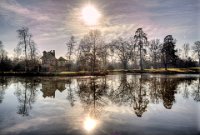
pixel 51 64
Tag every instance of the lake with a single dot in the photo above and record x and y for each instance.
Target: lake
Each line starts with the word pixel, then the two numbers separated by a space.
pixel 122 104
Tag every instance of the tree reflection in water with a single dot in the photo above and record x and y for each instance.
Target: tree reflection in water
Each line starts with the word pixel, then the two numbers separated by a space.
pixel 140 98
pixel 26 94
pixel 196 90
pixel 4 82
pixel 91 93
pixel 168 89
pixel 132 92
pixel 71 92
pixel 138 91
pixel 95 93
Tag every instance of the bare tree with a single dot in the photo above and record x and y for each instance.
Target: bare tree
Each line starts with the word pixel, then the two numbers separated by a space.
pixel 122 49
pixel 5 62
pixel 186 49
pixel 89 47
pixel 155 51
pixel 23 35
pixel 103 54
pixel 134 52
pixel 3 53
pixel 196 49
pixel 26 45
pixel 33 52
pixel 70 50
pixel 141 41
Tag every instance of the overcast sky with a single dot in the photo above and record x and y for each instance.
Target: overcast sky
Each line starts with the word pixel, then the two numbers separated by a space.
pixel 52 21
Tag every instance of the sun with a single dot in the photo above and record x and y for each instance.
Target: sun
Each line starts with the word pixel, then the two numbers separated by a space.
pixel 90 15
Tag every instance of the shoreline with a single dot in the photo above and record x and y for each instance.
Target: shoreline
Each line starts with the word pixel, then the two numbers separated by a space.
pixel 66 74
pixel 170 71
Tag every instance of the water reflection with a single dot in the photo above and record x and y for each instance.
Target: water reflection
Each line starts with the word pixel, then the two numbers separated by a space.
pixel 50 85
pixel 196 89
pixel 26 91
pixel 94 95
pixel 71 92
pixel 3 86
pixel 89 124
pixel 90 93
pixel 136 91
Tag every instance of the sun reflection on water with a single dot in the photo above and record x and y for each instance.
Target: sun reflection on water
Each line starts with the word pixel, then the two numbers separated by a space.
pixel 89 124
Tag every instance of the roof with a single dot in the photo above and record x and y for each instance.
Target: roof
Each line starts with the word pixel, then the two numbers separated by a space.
pixel 62 59
pixel 48 55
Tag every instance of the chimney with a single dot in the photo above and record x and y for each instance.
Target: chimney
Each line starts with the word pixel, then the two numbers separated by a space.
pixel 53 52
pixel 44 53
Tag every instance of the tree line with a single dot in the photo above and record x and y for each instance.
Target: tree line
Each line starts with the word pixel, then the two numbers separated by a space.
pixel 93 52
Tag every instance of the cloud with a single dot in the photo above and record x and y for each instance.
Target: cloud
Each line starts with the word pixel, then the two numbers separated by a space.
pixel 12 8
pixel 52 22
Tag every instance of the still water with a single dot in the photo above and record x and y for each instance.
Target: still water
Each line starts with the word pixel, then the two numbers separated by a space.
pixel 111 105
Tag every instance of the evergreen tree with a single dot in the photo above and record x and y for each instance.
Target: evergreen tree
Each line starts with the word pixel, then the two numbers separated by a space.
pixel 168 51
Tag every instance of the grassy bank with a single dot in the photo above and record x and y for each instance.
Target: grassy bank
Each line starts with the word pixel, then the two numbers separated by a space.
pixel 192 70
pixel 82 73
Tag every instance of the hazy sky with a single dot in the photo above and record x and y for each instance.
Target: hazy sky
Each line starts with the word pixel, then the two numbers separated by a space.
pixel 52 21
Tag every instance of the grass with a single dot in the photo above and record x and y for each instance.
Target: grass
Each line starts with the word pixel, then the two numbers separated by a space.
pixel 161 70
pixel 191 70
pixel 175 70
pixel 80 73
pixel 170 70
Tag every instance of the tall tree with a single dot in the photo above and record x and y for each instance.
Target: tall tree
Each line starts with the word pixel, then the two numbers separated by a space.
pixel 5 62
pixel 33 50
pixel 3 53
pixel 70 47
pixel 141 41
pixel 103 54
pixel 134 52
pixel 186 49
pixel 122 49
pixel 155 51
pixel 26 45
pixel 70 50
pixel 33 53
pixel 196 49
pixel 23 35
pixel 168 51
pixel 89 47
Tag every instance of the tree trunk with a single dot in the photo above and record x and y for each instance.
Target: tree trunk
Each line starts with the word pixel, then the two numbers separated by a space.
pixel 141 60
pixel 94 57
pixel 199 61
pixel 165 61
pixel 125 64
pixel 155 60
pixel 165 66
pixel 25 56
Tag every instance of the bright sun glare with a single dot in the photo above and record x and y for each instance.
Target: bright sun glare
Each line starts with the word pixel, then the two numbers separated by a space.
pixel 90 15
pixel 89 124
